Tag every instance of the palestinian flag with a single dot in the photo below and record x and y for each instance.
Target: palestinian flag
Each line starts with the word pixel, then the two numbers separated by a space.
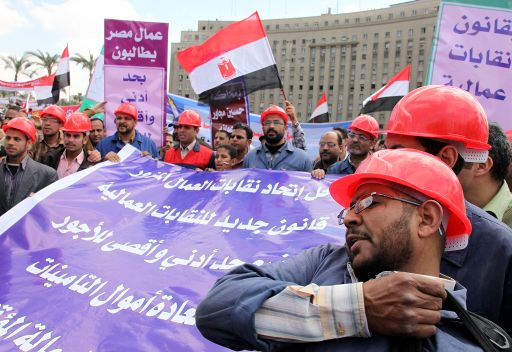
pixel 321 113
pixel 239 51
pixel 62 77
pixel 387 97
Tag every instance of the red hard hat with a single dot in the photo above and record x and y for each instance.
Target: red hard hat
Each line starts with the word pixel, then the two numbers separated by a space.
pixel 415 170
pixel 367 124
pixel 77 122
pixel 189 118
pixel 128 109
pixel 23 125
pixel 274 110
pixel 54 111
pixel 441 112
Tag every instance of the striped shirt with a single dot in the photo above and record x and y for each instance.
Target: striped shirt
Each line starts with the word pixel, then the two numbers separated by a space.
pixel 12 180
pixel 299 140
pixel 314 313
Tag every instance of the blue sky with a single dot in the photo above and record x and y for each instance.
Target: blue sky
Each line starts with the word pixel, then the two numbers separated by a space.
pixel 50 25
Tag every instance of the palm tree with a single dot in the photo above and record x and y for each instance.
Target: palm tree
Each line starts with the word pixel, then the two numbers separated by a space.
pixel 18 65
pixel 86 63
pixel 45 60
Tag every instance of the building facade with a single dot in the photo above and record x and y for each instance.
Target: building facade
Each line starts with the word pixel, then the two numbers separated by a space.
pixel 348 56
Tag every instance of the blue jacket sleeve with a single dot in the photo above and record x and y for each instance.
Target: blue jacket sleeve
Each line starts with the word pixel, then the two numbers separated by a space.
pixel 226 315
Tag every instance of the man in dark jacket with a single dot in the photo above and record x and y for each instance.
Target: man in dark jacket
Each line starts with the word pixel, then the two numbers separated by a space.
pixel 73 157
pixel 396 220
pixel 20 176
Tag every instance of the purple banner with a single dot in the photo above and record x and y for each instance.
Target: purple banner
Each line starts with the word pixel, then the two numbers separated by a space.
pixel 135 55
pixel 117 257
pixel 473 52
pixel 133 43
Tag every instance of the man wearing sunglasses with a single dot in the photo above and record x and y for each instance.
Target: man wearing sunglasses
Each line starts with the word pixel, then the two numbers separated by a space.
pixel 398 221
pixel 241 139
pixel 362 135
pixel 275 152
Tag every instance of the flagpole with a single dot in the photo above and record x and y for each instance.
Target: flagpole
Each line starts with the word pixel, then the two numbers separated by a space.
pixel 284 94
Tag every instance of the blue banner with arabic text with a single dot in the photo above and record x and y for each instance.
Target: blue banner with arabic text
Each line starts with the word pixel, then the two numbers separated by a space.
pixel 117 258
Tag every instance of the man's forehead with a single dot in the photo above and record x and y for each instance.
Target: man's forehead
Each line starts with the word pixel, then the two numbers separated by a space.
pixel 329 136
pixel 97 122
pixel 125 116
pixel 239 132
pixel 274 117
pixel 12 113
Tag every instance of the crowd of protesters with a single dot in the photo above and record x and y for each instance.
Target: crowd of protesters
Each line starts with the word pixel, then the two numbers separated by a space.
pixel 458 146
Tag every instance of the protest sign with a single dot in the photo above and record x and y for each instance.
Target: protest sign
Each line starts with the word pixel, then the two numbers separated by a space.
pixel 472 51
pixel 118 256
pixel 135 71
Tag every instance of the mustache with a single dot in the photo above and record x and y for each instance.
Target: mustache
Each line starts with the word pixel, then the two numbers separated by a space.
pixel 361 234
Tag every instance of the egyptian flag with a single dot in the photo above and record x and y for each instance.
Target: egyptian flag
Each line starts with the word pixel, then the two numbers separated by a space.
pixel 43 90
pixel 321 113
pixel 62 78
pixel 239 51
pixel 387 97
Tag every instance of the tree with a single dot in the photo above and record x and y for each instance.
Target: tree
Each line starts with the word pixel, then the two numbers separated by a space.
pixel 18 65
pixel 44 60
pixel 86 63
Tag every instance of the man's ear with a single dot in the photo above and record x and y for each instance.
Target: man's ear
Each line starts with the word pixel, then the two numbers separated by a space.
pixel 484 168
pixel 430 218
pixel 449 155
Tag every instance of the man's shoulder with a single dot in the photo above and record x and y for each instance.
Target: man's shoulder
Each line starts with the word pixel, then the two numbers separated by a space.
pixel 54 153
pixel 338 166
pixel 487 226
pixel 254 151
pixel 143 137
pixel 107 139
pixel 296 151
pixel 33 165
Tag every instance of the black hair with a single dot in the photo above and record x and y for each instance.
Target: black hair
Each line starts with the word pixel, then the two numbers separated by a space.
pixel 343 132
pixel 243 126
pixel 433 147
pixel 338 134
pixel 231 150
pixel 499 153
pixel 228 134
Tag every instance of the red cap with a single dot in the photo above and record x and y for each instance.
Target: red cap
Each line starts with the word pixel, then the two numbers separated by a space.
pixel 23 125
pixel 441 112
pixel 128 109
pixel 78 122
pixel 415 170
pixel 54 111
pixel 274 110
pixel 189 118
pixel 367 124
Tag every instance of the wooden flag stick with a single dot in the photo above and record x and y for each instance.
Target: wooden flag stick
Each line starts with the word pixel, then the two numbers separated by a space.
pixel 284 94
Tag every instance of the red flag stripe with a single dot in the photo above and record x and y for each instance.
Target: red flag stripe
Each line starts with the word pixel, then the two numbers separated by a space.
pixel 322 100
pixel 231 37
pixel 403 75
